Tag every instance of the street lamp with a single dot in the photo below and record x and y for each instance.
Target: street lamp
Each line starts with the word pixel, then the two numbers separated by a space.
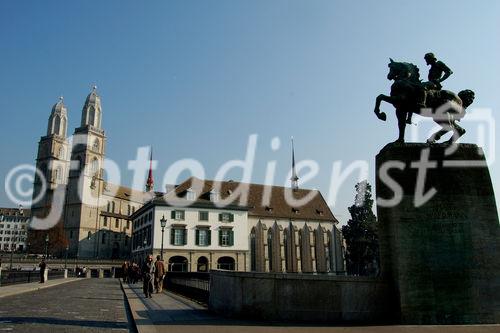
pixel 66 258
pixel 12 248
pixel 47 246
pixel 163 223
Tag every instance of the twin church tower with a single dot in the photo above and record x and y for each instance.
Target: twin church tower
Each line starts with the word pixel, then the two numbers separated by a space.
pixel 94 220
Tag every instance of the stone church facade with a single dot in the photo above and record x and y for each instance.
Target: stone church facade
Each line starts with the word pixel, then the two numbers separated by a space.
pixel 95 217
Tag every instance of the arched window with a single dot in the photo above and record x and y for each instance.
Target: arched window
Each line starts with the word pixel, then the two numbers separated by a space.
pixel 57 125
pixel 270 241
pixel 58 174
pixel 94 167
pixel 253 249
pixel 63 127
pixel 91 116
pixel 60 153
pixel 95 147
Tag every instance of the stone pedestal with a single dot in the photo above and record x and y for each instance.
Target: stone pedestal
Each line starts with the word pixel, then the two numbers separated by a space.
pixel 88 274
pixel 442 258
pixel 65 273
pixel 101 273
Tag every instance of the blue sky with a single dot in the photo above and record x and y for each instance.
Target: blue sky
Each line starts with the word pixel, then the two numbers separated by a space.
pixel 196 78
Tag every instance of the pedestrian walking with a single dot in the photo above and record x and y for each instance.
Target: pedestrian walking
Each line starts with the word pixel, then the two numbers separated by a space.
pixel 43 267
pixel 159 274
pixel 125 272
pixel 148 274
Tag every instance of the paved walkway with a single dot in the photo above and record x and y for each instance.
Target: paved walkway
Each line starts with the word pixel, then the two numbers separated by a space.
pixel 171 313
pixel 87 305
pixel 16 289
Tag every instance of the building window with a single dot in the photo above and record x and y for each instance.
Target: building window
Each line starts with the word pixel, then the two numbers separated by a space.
pixel 71 234
pixel 178 236
pixel 117 223
pixel 89 235
pixel 226 237
pixel 214 196
pixel 105 221
pixel 128 224
pixel 226 217
pixel 94 167
pixel 103 240
pixel 113 206
pixel 60 153
pixel 177 215
pixel 190 195
pixel 203 237
pixel 96 145
pixel 203 216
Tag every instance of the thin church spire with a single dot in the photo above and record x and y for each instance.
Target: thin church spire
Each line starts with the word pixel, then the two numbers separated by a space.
pixel 150 182
pixel 294 179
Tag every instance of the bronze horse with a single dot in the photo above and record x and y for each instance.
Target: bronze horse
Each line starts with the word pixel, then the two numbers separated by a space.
pixel 410 95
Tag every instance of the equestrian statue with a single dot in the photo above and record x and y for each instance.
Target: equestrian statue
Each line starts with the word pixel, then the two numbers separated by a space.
pixel 410 95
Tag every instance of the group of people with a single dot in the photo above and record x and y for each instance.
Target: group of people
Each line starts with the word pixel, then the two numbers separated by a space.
pixel 131 272
pixel 151 273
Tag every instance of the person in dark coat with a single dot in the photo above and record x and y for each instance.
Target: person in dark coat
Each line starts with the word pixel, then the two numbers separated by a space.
pixel 125 272
pixel 148 275
pixel 159 274
pixel 43 267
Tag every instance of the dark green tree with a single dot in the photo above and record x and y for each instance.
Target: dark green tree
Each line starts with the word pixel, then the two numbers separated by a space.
pixel 360 234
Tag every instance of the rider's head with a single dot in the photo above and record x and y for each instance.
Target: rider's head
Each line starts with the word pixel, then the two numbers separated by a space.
pixel 430 58
pixel 467 96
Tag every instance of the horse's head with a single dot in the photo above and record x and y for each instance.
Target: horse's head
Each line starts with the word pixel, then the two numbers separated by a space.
pixel 403 71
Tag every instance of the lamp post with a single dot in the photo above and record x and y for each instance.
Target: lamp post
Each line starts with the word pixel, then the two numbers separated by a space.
pixel 163 223
pixel 47 246
pixel 66 258
pixel 12 248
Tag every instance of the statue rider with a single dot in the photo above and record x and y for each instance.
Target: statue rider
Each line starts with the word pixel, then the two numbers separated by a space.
pixel 437 74
pixel 438 71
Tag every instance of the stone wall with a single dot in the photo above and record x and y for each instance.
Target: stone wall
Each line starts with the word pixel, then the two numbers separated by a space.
pixel 300 297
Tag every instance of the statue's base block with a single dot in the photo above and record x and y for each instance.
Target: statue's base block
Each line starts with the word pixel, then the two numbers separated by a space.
pixel 443 258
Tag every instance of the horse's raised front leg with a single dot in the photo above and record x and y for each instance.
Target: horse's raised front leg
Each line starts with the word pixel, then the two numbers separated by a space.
pixel 381 115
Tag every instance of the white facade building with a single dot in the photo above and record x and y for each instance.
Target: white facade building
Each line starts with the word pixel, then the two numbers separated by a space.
pixel 14 224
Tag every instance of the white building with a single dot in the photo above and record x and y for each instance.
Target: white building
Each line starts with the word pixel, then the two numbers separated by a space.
pixel 14 224
pixel 244 227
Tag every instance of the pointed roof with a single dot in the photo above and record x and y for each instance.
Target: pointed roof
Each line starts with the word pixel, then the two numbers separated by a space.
pixel 59 107
pixel 93 97
pixel 294 179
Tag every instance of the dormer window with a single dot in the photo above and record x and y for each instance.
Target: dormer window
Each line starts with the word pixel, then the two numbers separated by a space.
pixel 214 196
pixel 269 209
pixel 190 195
pixel 295 210
pixel 319 212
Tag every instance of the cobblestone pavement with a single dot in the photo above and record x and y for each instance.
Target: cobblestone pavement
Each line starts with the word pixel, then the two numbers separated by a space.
pixel 89 305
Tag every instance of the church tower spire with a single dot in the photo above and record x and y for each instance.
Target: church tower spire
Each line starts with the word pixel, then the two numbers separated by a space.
pixel 150 182
pixel 91 112
pixel 294 179
pixel 58 120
